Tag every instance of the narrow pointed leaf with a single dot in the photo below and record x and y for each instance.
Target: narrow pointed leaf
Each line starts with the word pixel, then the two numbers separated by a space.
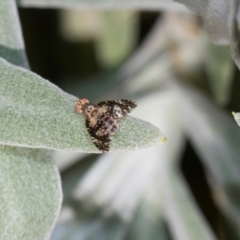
pixel 36 113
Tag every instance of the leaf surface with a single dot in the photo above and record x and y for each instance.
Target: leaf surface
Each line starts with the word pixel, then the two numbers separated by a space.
pixel 11 41
pixel 220 69
pixel 30 194
pixel 36 113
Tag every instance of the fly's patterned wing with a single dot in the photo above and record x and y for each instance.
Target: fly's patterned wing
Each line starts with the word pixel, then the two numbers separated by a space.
pixel 102 142
pixel 118 108
pixel 102 120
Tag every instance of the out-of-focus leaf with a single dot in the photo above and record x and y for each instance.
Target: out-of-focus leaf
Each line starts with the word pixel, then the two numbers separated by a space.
pixel 30 196
pixel 72 175
pixel 11 42
pixel 36 113
pixel 148 223
pixel 118 37
pixel 185 42
pixel 77 26
pixel 217 141
pixel 151 52
pixel 219 66
pixel 105 4
pixel 236 117
pixel 182 213
pixel 65 159
pixel 150 78
pixel 176 42
pixel 215 15
pixel 88 226
pixel 221 19
pixel 234 24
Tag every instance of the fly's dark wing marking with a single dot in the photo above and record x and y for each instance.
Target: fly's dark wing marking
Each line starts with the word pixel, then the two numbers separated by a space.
pixel 101 142
pixel 126 106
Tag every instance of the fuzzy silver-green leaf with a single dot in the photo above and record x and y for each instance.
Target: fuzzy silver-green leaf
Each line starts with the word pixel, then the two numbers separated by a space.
pixel 30 193
pixel 11 42
pixel 36 113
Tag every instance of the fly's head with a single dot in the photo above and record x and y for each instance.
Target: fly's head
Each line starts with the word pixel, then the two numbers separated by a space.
pixel 81 105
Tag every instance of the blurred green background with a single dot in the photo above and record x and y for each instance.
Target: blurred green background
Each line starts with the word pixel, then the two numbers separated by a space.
pixel 154 58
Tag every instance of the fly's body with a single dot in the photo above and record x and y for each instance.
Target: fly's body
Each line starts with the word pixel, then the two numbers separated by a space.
pixel 102 119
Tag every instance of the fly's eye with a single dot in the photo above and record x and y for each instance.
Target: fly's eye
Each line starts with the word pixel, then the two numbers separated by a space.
pixel 90 109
